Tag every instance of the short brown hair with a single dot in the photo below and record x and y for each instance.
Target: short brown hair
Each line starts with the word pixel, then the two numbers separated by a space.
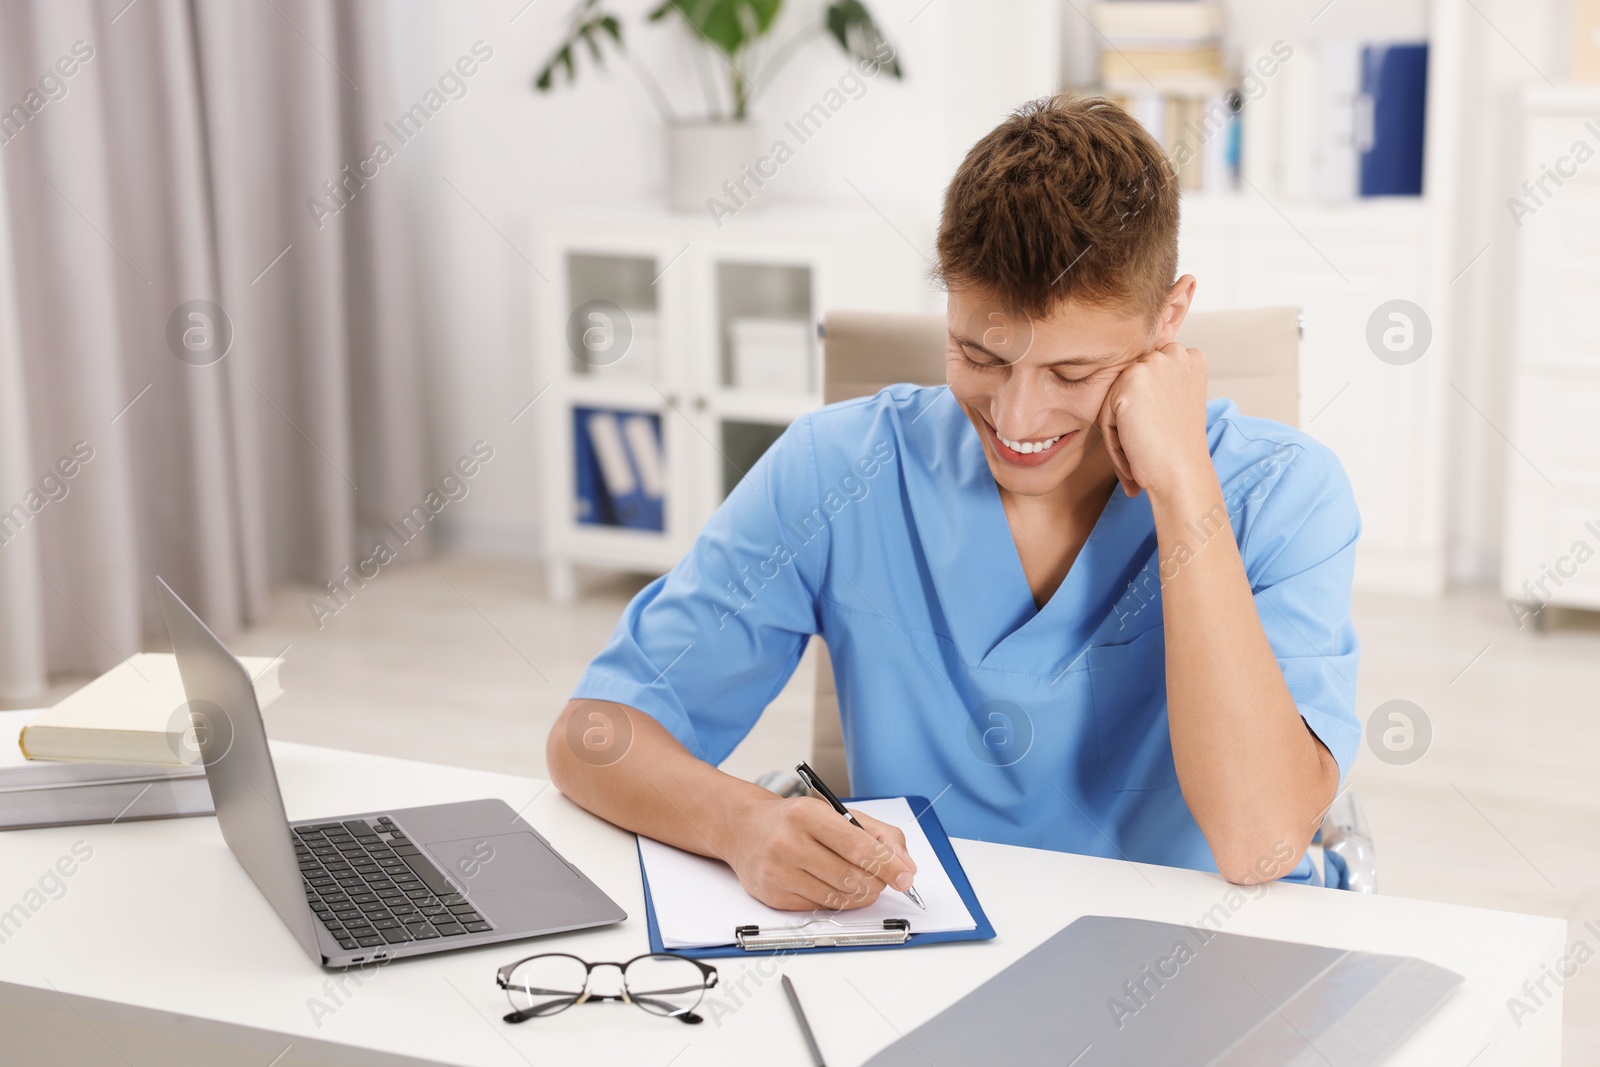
pixel 1069 197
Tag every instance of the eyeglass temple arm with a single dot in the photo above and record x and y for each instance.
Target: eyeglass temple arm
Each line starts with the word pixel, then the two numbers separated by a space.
pixel 665 1006
pixel 666 1009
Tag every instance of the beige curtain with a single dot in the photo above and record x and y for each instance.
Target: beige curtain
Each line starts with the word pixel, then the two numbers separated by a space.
pixel 157 160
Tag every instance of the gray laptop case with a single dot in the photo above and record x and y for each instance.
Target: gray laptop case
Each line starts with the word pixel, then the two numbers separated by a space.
pixel 1106 992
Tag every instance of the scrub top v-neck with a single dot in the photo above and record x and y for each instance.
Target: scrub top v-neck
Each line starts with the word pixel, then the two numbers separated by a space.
pixel 876 524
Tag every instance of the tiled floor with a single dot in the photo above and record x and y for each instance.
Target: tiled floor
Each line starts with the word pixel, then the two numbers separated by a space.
pixel 462 661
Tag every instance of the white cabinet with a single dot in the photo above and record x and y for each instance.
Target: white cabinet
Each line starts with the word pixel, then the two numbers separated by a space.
pixel 1552 532
pixel 1339 264
pixel 673 354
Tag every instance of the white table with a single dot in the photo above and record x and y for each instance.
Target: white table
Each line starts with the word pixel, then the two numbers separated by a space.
pixel 161 951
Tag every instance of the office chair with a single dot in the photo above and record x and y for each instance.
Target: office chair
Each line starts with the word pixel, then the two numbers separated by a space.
pixel 1253 358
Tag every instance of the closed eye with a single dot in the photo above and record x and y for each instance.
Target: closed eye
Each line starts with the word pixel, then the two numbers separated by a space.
pixel 976 364
pixel 981 364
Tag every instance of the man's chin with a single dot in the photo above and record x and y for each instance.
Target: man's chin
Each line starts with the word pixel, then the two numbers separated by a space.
pixel 1036 481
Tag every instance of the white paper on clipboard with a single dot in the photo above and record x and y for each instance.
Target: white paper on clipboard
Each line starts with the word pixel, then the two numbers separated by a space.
pixel 699 902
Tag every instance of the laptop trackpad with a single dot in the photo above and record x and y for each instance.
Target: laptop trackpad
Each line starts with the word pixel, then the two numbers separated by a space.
pixel 503 861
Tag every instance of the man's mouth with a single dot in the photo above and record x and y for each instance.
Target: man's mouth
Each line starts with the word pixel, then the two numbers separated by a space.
pixel 1029 453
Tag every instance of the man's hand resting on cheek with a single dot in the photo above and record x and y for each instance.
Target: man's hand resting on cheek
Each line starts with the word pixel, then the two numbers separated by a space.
pixel 1154 421
pixel 798 854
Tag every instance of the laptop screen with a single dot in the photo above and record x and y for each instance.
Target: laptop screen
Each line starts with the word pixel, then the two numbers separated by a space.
pixel 233 745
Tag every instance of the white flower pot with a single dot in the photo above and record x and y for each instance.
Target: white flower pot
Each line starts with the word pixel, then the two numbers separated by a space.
pixel 701 156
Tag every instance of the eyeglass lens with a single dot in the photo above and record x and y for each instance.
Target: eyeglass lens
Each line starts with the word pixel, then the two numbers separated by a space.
pixel 666 985
pixel 545 985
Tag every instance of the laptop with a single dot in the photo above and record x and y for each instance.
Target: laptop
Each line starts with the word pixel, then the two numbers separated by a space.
pixel 379 885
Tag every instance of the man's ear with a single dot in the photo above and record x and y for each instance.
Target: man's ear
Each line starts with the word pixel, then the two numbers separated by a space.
pixel 1179 299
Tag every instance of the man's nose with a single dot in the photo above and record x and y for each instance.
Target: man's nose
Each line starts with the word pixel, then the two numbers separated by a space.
pixel 1023 405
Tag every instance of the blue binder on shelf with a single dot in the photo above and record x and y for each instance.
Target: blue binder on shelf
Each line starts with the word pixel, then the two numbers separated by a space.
pixel 840 934
pixel 619 469
pixel 1394 83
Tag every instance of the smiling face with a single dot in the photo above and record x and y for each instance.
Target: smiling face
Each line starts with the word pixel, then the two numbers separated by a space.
pixel 1033 388
pixel 1059 218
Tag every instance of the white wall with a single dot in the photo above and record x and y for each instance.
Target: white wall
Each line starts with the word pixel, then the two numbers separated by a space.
pixel 514 153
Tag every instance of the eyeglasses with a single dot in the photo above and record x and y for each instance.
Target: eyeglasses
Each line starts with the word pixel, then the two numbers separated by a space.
pixel 659 983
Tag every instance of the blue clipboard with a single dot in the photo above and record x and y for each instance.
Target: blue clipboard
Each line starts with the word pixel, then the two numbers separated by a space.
pixel 934 830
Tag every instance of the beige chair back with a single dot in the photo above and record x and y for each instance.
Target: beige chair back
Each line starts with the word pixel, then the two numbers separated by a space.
pixel 1253 358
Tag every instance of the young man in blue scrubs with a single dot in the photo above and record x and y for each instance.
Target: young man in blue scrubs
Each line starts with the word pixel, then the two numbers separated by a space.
pixel 1064 595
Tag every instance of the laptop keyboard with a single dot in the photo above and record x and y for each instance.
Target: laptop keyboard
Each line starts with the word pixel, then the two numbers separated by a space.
pixel 371 886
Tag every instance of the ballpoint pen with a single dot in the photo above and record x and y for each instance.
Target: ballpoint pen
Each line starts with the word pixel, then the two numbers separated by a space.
pixel 815 784
pixel 805 1026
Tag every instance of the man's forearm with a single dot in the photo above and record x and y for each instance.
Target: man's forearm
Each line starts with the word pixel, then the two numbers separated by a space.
pixel 1253 775
pixel 795 854
pixel 623 766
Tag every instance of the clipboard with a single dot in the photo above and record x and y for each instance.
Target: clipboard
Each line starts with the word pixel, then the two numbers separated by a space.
pixel 841 935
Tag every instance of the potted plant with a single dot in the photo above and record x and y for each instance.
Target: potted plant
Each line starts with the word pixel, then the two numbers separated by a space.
pixel 703 152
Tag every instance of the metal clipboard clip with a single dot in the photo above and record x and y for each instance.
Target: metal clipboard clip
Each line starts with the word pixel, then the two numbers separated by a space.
pixel 823 933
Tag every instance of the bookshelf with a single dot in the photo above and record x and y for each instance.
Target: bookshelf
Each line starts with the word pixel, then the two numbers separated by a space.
pixel 675 353
pixel 1246 98
pixel 1276 237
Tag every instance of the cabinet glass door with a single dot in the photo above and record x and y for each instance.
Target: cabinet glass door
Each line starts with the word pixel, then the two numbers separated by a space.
pixel 766 371
pixel 765 332
pixel 615 417
pixel 613 323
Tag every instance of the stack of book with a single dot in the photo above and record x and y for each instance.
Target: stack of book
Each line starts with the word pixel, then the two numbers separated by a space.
pixel 1162 61
pixel 119 749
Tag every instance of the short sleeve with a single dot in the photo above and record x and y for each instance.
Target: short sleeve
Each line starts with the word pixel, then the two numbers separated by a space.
pixel 704 648
pixel 1299 551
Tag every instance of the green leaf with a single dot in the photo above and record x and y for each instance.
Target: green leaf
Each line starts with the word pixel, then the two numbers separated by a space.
pixel 729 25
pixel 587 23
pixel 853 27
pixel 718 21
pixel 766 12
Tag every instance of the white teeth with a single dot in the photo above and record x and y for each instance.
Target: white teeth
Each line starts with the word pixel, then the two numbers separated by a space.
pixel 1028 446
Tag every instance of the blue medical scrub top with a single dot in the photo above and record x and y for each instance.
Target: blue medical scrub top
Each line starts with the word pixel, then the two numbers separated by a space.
pixel 877 524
